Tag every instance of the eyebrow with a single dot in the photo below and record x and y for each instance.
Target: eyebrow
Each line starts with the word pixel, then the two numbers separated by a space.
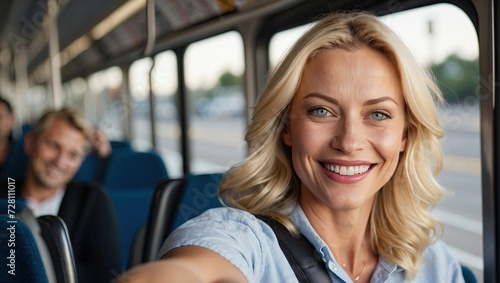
pixel 379 100
pixel 335 101
pixel 322 96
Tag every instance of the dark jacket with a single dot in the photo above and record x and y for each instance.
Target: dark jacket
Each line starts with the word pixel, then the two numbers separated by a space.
pixel 90 217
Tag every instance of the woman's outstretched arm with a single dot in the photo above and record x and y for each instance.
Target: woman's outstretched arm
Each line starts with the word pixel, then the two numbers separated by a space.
pixel 188 264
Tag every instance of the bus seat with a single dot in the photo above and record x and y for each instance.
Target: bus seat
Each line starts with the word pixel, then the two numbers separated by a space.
pixel 17 161
pixel 200 193
pixel 133 169
pixel 26 127
pixel 130 179
pixel 20 204
pixel 27 264
pixel 31 251
pixel 164 201
pixel 175 202
pixel 56 236
pixel 469 276
pixel 123 144
pixel 93 167
pixel 88 169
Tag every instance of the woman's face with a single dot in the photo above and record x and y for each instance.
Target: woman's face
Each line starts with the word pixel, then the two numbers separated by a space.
pixel 346 128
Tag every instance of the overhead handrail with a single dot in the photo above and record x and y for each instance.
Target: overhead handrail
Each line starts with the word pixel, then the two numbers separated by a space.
pixel 151 27
pixel 150 42
pixel 54 56
pixel 152 108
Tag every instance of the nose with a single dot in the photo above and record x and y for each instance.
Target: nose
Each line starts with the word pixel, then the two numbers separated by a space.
pixel 62 158
pixel 348 135
pixel 59 158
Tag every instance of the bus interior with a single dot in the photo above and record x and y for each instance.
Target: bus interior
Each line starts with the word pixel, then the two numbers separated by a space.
pixel 173 84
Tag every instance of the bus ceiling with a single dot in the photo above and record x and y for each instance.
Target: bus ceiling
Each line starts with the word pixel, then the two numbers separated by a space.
pixel 94 34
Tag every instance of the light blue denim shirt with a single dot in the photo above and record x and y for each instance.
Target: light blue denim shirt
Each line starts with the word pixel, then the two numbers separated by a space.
pixel 251 245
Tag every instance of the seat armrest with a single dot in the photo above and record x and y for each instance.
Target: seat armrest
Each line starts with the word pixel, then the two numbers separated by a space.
pixel 55 234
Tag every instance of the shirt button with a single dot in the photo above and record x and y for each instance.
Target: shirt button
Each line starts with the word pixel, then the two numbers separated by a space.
pixel 331 266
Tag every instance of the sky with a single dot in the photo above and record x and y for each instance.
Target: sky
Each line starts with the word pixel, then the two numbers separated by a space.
pixel 206 60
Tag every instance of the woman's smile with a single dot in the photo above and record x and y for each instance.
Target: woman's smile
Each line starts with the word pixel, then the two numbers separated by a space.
pixel 346 173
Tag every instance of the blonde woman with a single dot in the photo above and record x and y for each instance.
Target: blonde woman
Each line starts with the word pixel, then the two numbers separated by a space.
pixel 343 148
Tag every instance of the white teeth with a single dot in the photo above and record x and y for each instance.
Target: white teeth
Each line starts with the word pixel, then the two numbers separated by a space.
pixel 347 170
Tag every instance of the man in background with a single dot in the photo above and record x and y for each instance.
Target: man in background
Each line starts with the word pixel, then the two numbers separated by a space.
pixel 56 148
pixel 7 121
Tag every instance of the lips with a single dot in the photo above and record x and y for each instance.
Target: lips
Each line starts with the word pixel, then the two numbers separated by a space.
pixel 346 170
pixel 53 171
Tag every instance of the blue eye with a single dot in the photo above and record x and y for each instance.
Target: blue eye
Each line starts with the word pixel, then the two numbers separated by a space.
pixel 379 116
pixel 320 112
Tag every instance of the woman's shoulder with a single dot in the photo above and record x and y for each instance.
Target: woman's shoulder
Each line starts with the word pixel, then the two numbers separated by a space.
pixel 225 220
pixel 439 251
pixel 226 214
pixel 437 265
pixel 224 227
pixel 237 235
pixel 440 262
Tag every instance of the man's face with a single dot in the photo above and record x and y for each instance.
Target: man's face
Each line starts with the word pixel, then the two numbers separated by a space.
pixel 56 154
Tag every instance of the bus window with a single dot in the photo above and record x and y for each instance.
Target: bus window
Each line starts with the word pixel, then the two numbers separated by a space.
pixel 74 92
pixel 443 38
pixel 105 89
pixel 139 89
pixel 165 89
pixel 38 101
pixel 214 69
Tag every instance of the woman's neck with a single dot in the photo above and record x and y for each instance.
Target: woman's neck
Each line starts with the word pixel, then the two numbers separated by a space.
pixel 347 235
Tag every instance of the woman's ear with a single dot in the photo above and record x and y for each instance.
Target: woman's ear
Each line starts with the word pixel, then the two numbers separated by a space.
pixel 403 142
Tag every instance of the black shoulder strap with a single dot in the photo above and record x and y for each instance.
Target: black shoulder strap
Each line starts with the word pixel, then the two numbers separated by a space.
pixel 301 254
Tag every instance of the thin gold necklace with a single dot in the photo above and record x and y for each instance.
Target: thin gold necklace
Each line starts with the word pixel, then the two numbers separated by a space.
pixel 356 278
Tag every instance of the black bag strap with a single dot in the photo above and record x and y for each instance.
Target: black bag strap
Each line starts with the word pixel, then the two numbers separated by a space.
pixel 301 254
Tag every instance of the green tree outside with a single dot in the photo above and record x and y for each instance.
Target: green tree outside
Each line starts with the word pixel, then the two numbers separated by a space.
pixel 457 78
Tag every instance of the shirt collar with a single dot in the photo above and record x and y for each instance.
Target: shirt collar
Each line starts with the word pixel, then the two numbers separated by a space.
pixel 300 219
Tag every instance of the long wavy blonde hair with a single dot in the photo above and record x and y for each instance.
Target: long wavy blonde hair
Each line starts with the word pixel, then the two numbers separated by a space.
pixel 264 183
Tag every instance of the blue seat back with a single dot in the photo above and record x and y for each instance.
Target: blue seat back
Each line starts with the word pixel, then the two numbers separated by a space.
pixel 16 162
pixel 175 201
pixel 130 178
pixel 24 263
pixel 93 167
pixel 133 169
pixel 89 168
pixel 469 276
pixel 53 235
pixel 122 144
pixel 9 204
pixel 200 193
